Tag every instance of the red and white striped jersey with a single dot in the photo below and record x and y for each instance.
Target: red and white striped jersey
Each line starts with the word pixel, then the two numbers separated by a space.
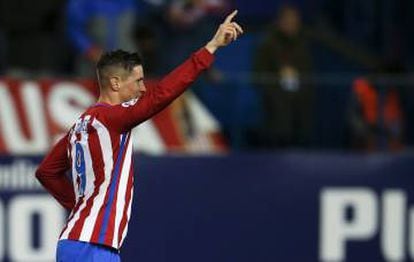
pixel 103 180
pixel 97 151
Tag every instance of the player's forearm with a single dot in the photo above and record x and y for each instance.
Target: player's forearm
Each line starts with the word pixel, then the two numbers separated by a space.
pixel 59 187
pixel 211 47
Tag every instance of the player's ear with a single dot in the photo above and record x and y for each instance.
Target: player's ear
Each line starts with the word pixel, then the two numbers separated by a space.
pixel 115 83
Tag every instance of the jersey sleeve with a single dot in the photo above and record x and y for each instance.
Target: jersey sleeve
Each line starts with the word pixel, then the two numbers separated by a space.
pixel 126 116
pixel 51 174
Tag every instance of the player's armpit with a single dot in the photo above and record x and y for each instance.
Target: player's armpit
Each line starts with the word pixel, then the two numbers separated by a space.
pixel 130 114
pixel 51 174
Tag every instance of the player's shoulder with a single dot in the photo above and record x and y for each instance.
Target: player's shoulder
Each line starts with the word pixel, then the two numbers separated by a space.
pixel 111 117
pixel 97 110
pixel 98 114
pixel 105 116
pixel 100 108
pixel 90 115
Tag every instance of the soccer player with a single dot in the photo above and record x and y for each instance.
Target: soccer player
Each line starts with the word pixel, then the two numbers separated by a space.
pixel 98 149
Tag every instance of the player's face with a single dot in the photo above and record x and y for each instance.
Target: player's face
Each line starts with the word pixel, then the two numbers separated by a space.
pixel 133 86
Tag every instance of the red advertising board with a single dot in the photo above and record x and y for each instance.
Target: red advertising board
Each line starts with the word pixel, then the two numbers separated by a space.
pixel 34 114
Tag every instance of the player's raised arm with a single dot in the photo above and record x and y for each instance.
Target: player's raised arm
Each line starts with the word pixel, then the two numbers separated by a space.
pixel 175 83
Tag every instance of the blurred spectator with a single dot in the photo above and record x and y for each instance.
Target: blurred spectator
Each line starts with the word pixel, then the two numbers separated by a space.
pixel 408 109
pixel 97 25
pixel 185 14
pixel 188 22
pixel 32 32
pixel 2 51
pixel 147 42
pixel 2 42
pixel 281 60
pixel 376 118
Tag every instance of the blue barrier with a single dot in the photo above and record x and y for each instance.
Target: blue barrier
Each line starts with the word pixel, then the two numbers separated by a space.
pixel 279 207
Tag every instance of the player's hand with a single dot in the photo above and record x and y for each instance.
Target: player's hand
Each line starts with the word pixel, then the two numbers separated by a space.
pixel 226 33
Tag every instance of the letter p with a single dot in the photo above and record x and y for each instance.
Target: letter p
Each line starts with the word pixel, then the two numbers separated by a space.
pixel 336 228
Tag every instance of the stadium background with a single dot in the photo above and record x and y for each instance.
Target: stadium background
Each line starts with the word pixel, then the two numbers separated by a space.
pixel 212 182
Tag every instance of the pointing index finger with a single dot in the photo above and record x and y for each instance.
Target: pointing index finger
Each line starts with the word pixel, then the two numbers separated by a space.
pixel 231 16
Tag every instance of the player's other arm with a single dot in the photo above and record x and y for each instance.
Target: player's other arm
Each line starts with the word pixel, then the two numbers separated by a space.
pixel 176 82
pixel 51 174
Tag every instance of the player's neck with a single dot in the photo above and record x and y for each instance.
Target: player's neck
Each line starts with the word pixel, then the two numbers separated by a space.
pixel 108 99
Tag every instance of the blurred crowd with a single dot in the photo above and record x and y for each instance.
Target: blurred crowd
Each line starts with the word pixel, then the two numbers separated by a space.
pixel 319 74
pixel 67 37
